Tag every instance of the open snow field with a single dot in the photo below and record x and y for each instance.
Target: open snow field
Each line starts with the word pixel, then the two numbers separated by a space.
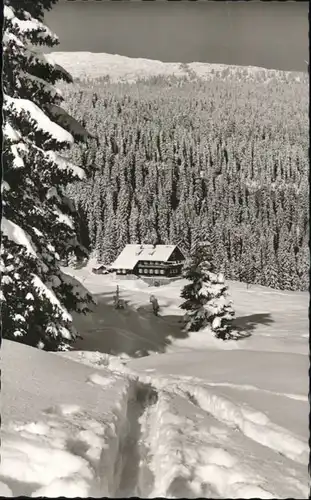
pixel 141 409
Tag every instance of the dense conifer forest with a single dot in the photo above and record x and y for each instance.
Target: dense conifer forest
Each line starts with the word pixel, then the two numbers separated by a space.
pixel 176 161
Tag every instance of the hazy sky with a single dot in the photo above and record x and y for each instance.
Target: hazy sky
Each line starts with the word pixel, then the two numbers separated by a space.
pixel 269 34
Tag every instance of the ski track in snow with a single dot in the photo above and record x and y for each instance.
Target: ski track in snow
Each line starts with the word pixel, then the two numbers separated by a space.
pixel 253 424
pixel 147 447
pixel 297 397
pixel 166 455
pixel 74 453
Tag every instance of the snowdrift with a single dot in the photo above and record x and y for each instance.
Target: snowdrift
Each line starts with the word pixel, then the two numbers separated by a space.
pixel 60 434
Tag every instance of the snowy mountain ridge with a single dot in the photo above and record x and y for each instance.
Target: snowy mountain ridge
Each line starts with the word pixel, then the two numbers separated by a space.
pixel 89 65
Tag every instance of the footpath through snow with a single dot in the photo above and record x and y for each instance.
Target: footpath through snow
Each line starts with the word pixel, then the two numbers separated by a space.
pixel 86 444
pixel 201 444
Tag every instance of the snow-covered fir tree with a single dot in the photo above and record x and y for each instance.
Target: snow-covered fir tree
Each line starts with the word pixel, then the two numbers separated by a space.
pixel 134 224
pixel 206 300
pixel 38 227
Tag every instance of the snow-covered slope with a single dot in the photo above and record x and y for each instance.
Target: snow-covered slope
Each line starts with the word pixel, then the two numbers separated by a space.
pixel 275 320
pixel 203 418
pixel 120 68
pixel 55 424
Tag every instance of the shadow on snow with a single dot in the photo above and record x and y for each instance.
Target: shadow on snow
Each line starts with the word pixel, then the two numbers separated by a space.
pixel 246 325
pixel 138 332
pixel 131 331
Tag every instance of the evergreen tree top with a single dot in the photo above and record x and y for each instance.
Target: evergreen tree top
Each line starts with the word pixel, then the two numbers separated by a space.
pixel 35 7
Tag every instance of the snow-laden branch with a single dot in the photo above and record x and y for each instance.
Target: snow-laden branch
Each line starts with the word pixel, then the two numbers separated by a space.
pixel 29 25
pixel 68 122
pixel 42 122
pixel 49 59
pixel 63 218
pixel 18 161
pixel 18 235
pixel 49 294
pixel 51 89
pixel 64 164
pixel 10 133
pixel 10 37
pixel 8 13
pixel 33 25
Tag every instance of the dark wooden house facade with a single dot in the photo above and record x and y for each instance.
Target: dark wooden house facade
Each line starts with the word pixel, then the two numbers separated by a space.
pixel 150 260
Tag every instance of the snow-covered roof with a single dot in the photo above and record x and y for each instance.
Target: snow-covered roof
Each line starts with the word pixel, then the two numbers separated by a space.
pixel 100 266
pixel 131 254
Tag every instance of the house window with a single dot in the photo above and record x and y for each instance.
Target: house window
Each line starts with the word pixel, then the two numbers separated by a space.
pixel 156 271
pixel 145 271
pixel 161 271
pixel 139 270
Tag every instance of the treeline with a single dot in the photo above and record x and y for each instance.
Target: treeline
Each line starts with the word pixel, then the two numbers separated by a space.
pixel 177 161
